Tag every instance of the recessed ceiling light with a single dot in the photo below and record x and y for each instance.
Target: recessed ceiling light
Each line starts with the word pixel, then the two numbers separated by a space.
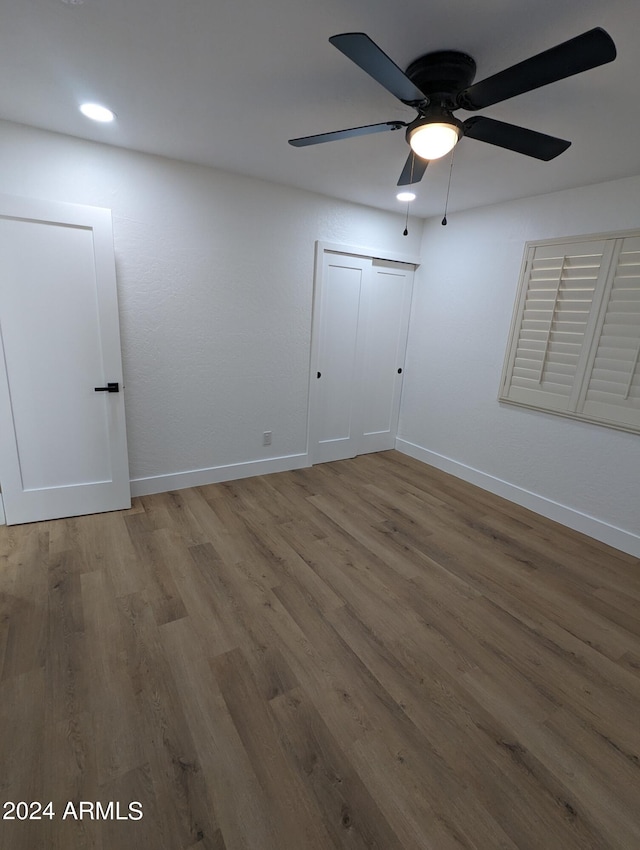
pixel 406 196
pixel 97 112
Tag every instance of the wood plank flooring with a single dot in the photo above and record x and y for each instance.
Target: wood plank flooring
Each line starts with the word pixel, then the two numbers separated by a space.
pixel 364 654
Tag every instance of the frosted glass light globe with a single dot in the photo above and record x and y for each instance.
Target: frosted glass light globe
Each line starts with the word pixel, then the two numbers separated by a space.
pixel 431 141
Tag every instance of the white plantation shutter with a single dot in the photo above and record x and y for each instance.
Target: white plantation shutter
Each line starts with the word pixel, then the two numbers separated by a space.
pixel 560 282
pixel 575 339
pixel 613 389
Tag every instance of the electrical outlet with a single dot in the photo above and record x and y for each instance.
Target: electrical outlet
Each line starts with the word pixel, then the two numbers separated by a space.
pixel 266 438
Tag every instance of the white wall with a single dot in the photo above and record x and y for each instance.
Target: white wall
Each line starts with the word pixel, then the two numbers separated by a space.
pixel 215 277
pixel 583 475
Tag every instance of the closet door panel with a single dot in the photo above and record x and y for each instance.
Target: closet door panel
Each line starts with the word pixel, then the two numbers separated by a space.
pixel 338 373
pixel 384 323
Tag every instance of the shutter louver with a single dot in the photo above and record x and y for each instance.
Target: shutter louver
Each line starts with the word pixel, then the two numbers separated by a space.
pixel 613 389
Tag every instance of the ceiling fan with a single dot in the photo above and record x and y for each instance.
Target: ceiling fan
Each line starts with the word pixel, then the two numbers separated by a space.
pixel 437 84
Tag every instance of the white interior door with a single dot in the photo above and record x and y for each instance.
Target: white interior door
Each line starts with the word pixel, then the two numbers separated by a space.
pixel 361 323
pixel 63 449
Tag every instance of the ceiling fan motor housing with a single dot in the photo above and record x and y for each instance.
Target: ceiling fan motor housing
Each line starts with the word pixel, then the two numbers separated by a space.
pixel 441 75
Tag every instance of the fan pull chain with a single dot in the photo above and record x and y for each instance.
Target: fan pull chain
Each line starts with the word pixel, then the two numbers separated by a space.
pixel 446 203
pixel 405 232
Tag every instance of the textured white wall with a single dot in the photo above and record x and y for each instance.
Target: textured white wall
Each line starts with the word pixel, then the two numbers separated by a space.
pixel 463 302
pixel 215 277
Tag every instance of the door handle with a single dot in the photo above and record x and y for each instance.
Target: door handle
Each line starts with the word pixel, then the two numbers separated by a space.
pixel 112 387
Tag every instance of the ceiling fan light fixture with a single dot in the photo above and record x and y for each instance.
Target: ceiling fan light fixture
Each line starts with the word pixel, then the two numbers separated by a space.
pixel 438 83
pixel 433 139
pixel 406 196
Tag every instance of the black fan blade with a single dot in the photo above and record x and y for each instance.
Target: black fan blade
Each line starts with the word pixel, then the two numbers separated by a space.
pixel 346 134
pixel 358 47
pixel 589 50
pixel 513 138
pixel 413 171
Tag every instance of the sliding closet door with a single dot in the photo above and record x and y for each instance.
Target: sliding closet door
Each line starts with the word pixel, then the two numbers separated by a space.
pixel 336 422
pixel 384 324
pixel 362 316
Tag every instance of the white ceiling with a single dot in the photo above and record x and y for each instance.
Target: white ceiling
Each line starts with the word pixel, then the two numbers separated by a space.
pixel 227 82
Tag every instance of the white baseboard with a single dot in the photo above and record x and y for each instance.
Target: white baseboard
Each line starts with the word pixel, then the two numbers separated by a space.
pixel 625 541
pixel 216 474
pixel 2 519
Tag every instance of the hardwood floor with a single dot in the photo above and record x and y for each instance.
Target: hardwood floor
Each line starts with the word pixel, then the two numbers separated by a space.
pixel 364 654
